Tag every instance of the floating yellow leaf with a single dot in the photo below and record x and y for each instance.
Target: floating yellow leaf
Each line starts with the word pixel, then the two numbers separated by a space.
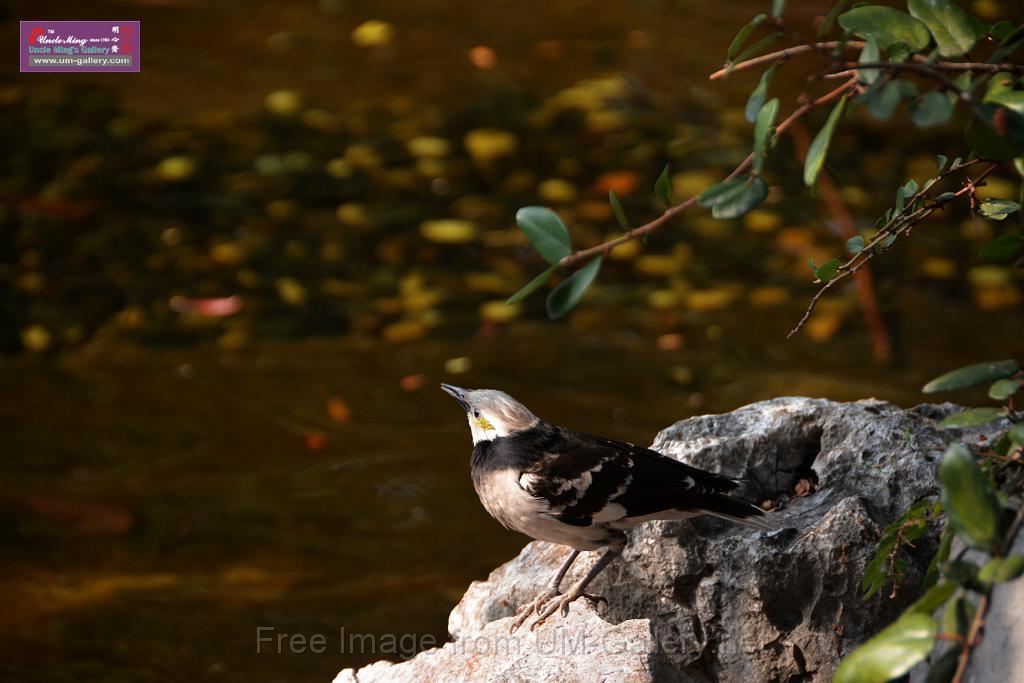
pixel 449 231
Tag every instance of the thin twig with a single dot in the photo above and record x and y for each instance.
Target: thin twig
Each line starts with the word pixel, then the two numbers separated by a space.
pixel 782 55
pixel 972 638
pixel 924 69
pixel 670 213
pixel 824 47
pixel 902 226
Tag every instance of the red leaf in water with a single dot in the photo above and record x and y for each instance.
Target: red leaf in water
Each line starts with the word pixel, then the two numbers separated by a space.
pixel 412 382
pixel 315 442
pixel 338 410
pixel 217 307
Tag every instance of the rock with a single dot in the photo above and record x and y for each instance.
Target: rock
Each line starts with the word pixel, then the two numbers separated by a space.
pixel 702 600
pixel 584 647
pixel 999 656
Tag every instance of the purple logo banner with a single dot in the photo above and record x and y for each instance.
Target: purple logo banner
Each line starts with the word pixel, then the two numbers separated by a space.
pixel 79 46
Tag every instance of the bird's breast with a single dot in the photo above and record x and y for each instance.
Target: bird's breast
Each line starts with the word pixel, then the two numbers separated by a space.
pixel 505 499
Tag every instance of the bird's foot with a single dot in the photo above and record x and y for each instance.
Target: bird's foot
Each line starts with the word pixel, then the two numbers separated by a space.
pixel 561 604
pixel 533 607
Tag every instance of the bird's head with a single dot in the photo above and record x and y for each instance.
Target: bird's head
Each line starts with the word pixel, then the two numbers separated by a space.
pixel 492 413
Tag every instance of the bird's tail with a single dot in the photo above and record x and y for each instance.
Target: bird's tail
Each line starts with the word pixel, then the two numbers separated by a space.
pixel 739 512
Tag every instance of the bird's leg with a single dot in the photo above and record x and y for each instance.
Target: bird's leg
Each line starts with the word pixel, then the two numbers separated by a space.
pixel 552 591
pixel 577 591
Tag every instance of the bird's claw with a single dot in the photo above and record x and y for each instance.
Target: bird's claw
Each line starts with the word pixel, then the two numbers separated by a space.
pixel 561 604
pixel 533 607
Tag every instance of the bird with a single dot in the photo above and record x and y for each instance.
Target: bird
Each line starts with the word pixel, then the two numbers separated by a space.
pixel 581 490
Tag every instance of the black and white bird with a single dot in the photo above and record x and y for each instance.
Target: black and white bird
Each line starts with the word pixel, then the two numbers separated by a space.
pixel 580 490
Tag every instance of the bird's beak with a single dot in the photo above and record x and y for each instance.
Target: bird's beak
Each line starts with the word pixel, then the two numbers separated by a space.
pixel 458 394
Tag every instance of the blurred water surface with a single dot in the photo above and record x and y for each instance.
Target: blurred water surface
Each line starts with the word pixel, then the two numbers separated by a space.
pixel 225 312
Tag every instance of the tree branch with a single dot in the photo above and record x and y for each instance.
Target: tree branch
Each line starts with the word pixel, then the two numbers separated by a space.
pixel 782 55
pixel 927 70
pixel 902 226
pixel 824 47
pixel 670 213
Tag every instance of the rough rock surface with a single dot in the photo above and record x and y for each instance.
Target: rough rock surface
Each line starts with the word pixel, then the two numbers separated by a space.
pixel 703 600
pixel 583 648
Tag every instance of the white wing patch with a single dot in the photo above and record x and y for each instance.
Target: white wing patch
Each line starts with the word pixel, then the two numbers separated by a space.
pixel 611 512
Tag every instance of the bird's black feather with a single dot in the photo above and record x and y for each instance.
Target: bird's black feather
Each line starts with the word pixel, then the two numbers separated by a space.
pixel 579 474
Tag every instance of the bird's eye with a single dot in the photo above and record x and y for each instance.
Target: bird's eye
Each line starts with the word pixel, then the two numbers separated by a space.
pixel 476 413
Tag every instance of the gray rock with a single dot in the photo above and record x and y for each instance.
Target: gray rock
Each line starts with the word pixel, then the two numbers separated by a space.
pixel 584 647
pixel 703 600
pixel 999 657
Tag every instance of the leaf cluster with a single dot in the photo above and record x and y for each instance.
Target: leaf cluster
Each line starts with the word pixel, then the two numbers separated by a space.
pixel 972 496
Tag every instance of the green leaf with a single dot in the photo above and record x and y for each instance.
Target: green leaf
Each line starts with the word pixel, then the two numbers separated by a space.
pixel 827 270
pixel 759 94
pixel 971 417
pixel 1000 569
pixel 757 47
pixel 663 187
pixel 997 209
pixel 941 159
pixel 711 196
pixel 1003 247
pixel 886 25
pixel 568 293
pixel 957 616
pixel 971 506
pixel 1001 30
pixel 531 286
pixel 972 375
pixel 1003 389
pixel 855 244
pixel 1008 45
pixel 893 652
pixel 1016 433
pixel 546 232
pixel 941 669
pixel 898 52
pixel 869 55
pixel 901 199
pixel 1002 445
pixel 830 18
pixel 620 215
pixel 762 130
pixel 742 35
pixel 950 25
pixel 945 546
pixel 931 109
pixel 732 198
pixel 819 146
pixel 882 102
pixel 778 7
pixel 934 598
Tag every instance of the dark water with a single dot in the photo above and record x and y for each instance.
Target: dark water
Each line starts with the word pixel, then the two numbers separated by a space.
pixel 172 483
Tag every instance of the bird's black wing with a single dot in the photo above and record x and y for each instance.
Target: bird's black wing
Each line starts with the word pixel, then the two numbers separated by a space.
pixel 582 476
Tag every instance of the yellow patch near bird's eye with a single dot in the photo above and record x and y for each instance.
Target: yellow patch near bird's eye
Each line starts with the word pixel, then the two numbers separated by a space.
pixel 482 421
